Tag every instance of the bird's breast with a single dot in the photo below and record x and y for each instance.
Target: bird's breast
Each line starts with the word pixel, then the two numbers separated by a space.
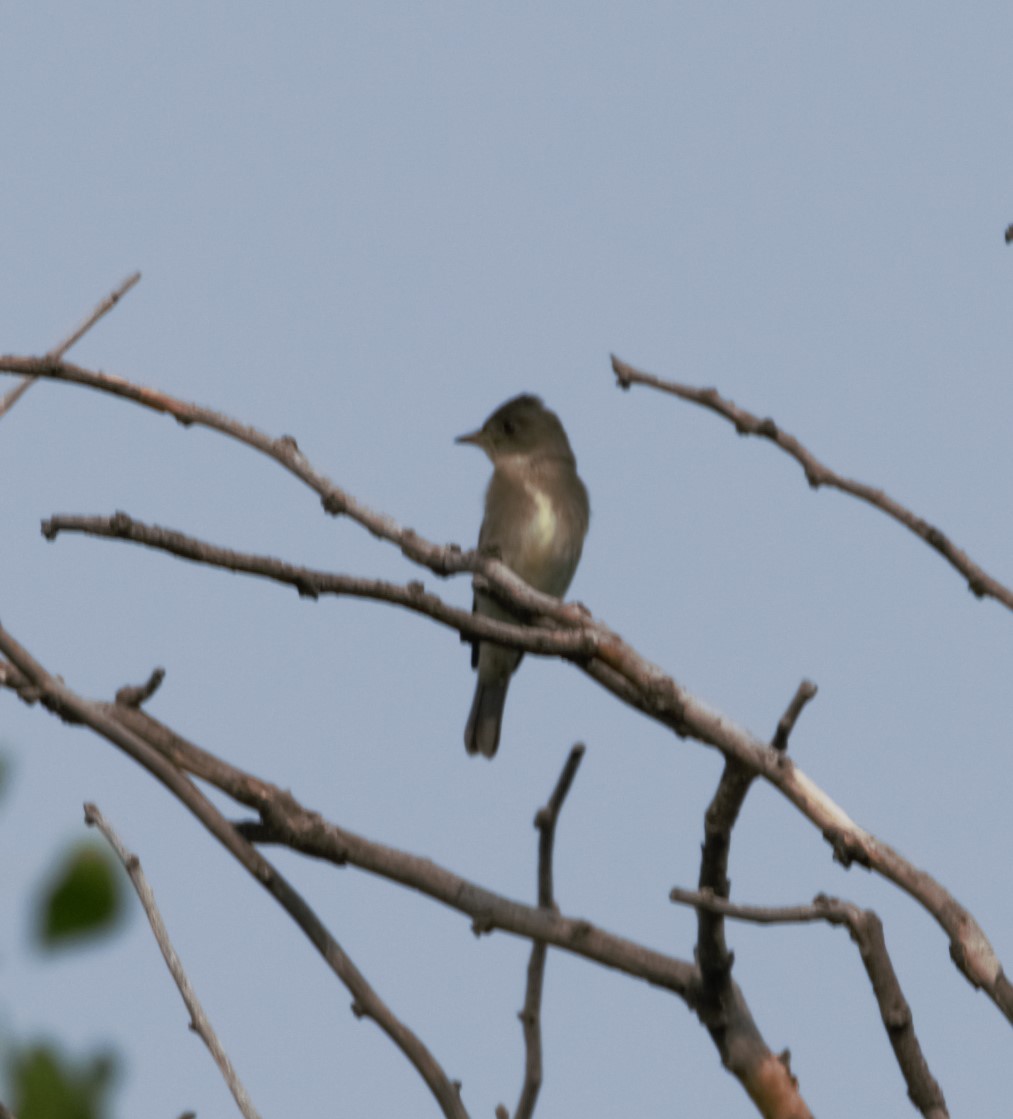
pixel 544 524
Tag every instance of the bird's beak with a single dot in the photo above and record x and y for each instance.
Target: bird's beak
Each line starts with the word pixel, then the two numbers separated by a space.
pixel 473 437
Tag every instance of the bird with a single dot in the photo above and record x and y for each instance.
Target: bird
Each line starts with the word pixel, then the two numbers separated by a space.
pixel 536 517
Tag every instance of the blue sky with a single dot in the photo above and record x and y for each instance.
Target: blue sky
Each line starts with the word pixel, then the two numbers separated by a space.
pixel 367 226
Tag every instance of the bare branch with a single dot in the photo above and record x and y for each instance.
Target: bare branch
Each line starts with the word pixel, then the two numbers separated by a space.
pixel 7 402
pixel 311 583
pixel 102 309
pixel 198 1019
pixel 721 1007
pixel 545 822
pixel 619 668
pixel 107 304
pixel 133 695
pixel 284 450
pixel 706 900
pixel 770 1083
pixel 284 820
pixel 981 584
pixel 806 691
pixel 866 931
pixel 615 665
pixel 59 699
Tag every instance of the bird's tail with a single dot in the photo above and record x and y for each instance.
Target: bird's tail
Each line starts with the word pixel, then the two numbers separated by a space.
pixel 481 735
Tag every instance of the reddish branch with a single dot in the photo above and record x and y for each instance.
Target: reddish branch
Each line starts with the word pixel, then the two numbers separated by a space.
pixel 817 474
pixel 866 931
pixel 768 1078
pixel 765 1075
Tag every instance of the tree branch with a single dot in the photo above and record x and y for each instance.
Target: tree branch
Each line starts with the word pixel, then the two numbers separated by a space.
pixel 59 699
pixel 615 665
pixel 107 304
pixel 765 1076
pixel 530 1016
pixel 805 692
pixel 981 584
pixel 284 820
pixel 866 931
pixel 198 1019
pixel 572 643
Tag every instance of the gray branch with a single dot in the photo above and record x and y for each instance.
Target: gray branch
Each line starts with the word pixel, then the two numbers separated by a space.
pixel 199 1020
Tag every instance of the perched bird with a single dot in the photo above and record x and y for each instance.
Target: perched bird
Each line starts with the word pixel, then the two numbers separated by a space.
pixel 536 518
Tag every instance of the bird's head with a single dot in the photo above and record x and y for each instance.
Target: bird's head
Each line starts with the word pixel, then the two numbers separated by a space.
pixel 522 426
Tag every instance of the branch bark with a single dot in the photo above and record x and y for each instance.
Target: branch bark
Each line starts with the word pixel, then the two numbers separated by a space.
pixel 607 658
pixel 198 1019
pixel 283 820
pixel 866 931
pixel 55 354
pixel 765 1076
pixel 554 629
pixel 72 708
pixel 817 474
pixel 531 1015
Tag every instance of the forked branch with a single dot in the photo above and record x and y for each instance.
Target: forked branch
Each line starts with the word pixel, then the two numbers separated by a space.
pixel 866 931
pixel 531 1016
pixel 59 699
pixel 55 354
pixel 607 658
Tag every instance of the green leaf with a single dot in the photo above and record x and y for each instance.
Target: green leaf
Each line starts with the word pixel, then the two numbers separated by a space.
pixel 84 899
pixel 49 1085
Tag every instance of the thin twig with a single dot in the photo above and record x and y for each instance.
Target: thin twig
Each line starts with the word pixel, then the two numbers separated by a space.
pixel 531 1014
pixel 103 308
pixel 107 304
pixel 981 584
pixel 706 900
pixel 805 692
pixel 866 931
pixel 198 1019
pixel 614 664
pixel 58 698
pixel 134 695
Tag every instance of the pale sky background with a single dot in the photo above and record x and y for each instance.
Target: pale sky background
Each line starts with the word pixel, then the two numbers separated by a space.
pixel 367 226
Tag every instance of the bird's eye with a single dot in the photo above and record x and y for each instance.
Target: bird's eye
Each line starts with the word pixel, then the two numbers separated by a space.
pixel 508 427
